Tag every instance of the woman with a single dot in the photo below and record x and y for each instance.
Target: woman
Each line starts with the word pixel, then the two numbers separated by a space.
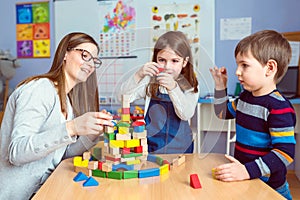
pixel 51 117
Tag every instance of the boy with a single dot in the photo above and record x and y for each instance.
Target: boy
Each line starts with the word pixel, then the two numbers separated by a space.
pixel 265 119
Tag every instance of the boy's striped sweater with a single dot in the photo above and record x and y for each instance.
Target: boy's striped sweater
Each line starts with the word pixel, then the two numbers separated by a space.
pixel 265 141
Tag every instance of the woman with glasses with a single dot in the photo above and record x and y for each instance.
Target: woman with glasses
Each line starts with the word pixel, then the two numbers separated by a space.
pixel 51 117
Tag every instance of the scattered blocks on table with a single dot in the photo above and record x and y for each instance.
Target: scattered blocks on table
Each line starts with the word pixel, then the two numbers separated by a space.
pixel 99 173
pixel 194 181
pixel 80 177
pixel 130 174
pixel 144 173
pixel 178 161
pixel 90 182
pixel 84 170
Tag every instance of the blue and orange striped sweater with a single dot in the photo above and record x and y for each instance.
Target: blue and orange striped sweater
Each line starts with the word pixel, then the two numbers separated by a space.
pixel 265 141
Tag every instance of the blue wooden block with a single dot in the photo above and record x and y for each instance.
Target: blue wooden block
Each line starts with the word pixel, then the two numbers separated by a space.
pixel 139 129
pixel 122 166
pixel 90 182
pixel 144 173
pixel 151 158
pixel 80 177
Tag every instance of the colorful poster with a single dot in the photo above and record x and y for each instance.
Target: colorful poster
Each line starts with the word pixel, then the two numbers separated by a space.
pixel 33 30
pixel 117 34
pixel 177 17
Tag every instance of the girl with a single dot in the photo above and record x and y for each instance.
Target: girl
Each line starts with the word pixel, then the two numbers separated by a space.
pixel 39 130
pixel 170 89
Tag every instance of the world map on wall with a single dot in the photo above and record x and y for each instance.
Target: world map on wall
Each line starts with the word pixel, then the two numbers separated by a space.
pixel 121 18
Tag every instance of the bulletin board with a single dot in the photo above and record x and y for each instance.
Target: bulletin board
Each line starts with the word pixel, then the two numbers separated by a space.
pixel 90 16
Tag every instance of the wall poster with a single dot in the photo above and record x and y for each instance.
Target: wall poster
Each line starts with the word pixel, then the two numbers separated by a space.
pixel 33 30
pixel 177 17
pixel 117 34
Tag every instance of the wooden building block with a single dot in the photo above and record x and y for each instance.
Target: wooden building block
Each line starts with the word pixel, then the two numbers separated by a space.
pixel 77 160
pixel 93 165
pixel 84 170
pixel 132 143
pixel 194 181
pixel 164 169
pixel 99 173
pixel 138 149
pixel 178 161
pixel 126 136
pixel 116 143
pixel 90 182
pixel 115 175
pixel 130 174
pixel 144 173
pixel 86 155
pixel 133 162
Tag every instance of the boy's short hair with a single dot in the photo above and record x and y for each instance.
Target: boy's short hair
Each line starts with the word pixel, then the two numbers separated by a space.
pixel 265 45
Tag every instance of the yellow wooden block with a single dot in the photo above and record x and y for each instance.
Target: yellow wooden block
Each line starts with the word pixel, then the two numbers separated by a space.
pixel 132 143
pixel 213 172
pixel 125 118
pixel 116 143
pixel 164 169
pixel 77 160
pixel 85 163
pixel 123 130
pixel 133 162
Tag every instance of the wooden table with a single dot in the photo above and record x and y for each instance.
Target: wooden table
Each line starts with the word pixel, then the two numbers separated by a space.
pixel 174 185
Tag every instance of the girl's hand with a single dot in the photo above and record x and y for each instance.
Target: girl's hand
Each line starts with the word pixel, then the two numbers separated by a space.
pixel 90 123
pixel 220 77
pixel 166 80
pixel 234 171
pixel 148 69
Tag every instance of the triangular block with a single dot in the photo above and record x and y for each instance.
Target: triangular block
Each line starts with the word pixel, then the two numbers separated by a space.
pixel 194 181
pixel 80 177
pixel 90 182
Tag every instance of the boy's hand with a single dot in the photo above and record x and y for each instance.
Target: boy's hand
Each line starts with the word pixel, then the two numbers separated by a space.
pixel 220 77
pixel 234 171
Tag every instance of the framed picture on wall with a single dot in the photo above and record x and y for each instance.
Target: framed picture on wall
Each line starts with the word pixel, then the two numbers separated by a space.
pixel 33 30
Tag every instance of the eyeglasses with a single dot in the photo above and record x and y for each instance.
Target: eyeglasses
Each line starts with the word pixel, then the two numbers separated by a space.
pixel 87 57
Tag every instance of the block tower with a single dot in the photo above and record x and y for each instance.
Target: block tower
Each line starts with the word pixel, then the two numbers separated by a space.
pixel 126 143
pixel 125 147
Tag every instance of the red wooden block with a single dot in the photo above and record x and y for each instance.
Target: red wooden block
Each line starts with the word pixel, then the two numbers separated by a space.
pixel 125 110
pixel 194 181
pixel 138 149
pixel 100 165
pixel 167 162
pixel 125 150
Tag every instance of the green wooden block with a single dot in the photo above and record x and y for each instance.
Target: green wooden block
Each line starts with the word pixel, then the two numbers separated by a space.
pixel 130 174
pixel 115 175
pixel 97 153
pixel 131 155
pixel 110 136
pixel 159 161
pixel 99 173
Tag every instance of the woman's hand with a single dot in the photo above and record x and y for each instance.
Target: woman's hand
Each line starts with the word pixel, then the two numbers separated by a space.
pixel 220 77
pixel 90 123
pixel 148 69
